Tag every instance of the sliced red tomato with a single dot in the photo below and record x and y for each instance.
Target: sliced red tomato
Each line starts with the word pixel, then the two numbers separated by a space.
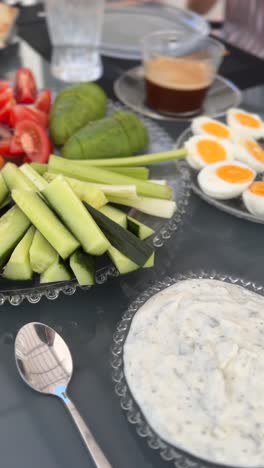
pixel 16 148
pixel 43 101
pixel 34 140
pixel 5 133
pixel 5 96
pixel 25 86
pixel 19 113
pixel 26 160
pixel 5 111
pixel 5 147
pixel 4 84
pixel 51 147
pixel 2 161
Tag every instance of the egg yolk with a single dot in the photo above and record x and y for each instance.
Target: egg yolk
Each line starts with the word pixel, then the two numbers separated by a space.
pixel 255 150
pixel 234 174
pixel 247 120
pixel 216 129
pixel 211 151
pixel 257 188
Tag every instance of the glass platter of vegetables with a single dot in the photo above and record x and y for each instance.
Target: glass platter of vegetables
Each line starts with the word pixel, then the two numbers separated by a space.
pixel 114 191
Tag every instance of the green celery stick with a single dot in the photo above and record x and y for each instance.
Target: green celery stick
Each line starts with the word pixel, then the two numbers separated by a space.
pixel 94 174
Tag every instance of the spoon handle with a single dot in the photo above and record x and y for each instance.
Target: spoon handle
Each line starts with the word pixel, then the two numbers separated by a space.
pixel 96 453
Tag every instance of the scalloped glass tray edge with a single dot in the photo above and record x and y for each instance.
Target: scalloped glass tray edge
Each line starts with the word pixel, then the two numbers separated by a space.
pixel 134 414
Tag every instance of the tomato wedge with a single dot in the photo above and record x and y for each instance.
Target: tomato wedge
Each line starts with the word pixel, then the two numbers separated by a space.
pixel 16 148
pixel 25 86
pixel 5 147
pixel 5 133
pixel 2 161
pixel 5 96
pixel 34 140
pixel 43 101
pixel 4 84
pixel 5 111
pixel 19 113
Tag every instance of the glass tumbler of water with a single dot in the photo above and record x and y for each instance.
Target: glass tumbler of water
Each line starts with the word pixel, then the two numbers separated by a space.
pixel 75 28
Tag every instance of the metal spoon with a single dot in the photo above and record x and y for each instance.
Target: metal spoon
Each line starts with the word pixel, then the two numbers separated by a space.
pixel 45 364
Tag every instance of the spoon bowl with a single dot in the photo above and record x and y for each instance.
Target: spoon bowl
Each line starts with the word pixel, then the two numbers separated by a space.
pixel 43 359
pixel 45 364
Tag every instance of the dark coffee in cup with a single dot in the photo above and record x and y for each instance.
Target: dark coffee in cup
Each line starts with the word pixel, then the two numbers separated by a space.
pixel 175 85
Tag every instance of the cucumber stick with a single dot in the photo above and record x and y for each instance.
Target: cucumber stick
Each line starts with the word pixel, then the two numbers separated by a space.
pixel 18 266
pixel 13 225
pixel 133 225
pixel 3 189
pixel 83 267
pixel 151 206
pixel 136 250
pixel 139 229
pixel 15 179
pixel 41 253
pixel 46 222
pixel 72 212
pixel 122 263
pixel 40 168
pixel 84 191
pixel 116 215
pixel 7 203
pixel 39 182
pixel 56 272
pixel 94 174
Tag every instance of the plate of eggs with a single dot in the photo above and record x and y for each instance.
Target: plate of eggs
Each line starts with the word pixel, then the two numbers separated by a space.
pixel 226 159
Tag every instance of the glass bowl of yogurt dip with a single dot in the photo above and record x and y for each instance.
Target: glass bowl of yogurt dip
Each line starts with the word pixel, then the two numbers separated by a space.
pixel 188 366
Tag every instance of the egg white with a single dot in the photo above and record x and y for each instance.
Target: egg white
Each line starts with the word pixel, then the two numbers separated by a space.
pixel 254 203
pixel 197 127
pixel 241 153
pixel 193 157
pixel 216 187
pixel 240 130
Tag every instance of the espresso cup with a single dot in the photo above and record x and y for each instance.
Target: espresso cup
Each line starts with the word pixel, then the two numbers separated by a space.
pixel 178 73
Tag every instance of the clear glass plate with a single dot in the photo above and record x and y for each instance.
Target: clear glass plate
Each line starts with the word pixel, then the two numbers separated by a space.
pixel 234 207
pixel 134 414
pixel 130 89
pixel 178 176
pixel 121 39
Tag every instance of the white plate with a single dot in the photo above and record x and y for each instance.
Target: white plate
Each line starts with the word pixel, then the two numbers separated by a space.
pixel 125 27
pixel 234 207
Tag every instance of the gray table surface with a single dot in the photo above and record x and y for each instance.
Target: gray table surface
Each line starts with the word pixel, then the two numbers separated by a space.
pixel 35 431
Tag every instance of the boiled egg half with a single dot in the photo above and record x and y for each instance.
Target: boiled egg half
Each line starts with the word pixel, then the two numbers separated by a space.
pixel 251 153
pixel 245 124
pixel 253 199
pixel 207 126
pixel 225 180
pixel 203 150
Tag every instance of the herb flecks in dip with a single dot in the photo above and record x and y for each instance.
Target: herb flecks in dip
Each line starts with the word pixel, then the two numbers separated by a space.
pixel 194 361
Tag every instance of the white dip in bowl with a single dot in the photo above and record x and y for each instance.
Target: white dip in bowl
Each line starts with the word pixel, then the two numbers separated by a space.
pixel 194 362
